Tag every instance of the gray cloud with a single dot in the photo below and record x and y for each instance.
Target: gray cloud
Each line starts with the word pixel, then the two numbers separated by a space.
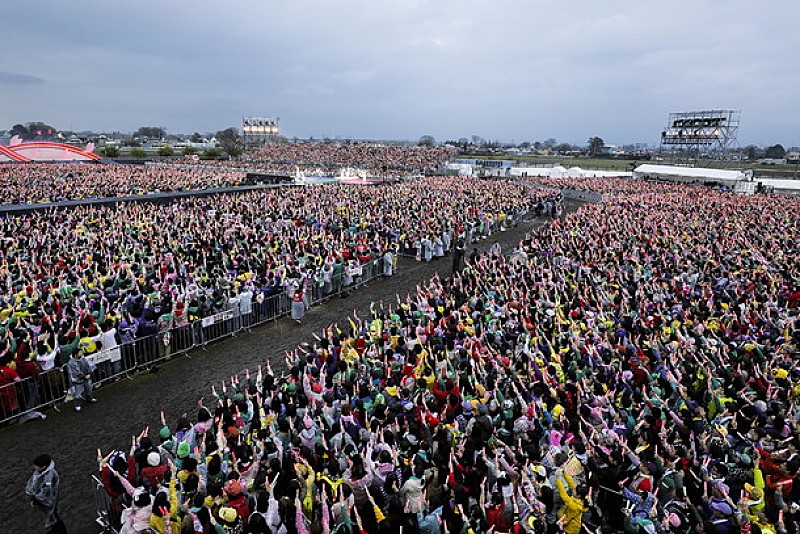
pixel 15 78
pixel 508 69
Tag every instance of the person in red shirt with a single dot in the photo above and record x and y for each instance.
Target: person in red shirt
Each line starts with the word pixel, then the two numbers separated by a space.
pixel 441 395
pixel 28 371
pixel 9 402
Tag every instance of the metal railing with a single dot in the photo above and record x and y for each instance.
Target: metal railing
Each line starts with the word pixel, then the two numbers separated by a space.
pixel 22 399
pixel 108 515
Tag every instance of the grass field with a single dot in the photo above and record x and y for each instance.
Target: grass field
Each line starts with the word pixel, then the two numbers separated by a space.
pixel 607 164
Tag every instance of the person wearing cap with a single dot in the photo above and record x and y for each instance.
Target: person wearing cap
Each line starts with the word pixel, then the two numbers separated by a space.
pixel 643 502
pixel 229 520
pixel 754 499
pixel 722 516
pixel 236 497
pixel 182 451
pixel 154 470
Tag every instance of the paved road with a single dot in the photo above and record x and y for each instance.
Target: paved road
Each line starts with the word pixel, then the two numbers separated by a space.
pixel 126 407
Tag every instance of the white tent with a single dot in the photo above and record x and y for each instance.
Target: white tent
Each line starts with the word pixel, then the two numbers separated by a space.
pixel 688 174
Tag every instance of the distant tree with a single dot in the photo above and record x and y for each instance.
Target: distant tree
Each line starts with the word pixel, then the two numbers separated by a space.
pixel 427 141
pixel 549 143
pixel 134 143
pixel 166 151
pixel 196 138
pixel 21 131
pixel 537 145
pixel 230 141
pixel 595 145
pixel 775 152
pixel 524 145
pixel 750 152
pixel 151 132
pixel 212 153
pixel 41 130
pixel 111 152
pixel 189 151
pixel 138 153
pixel 477 140
pixel 563 148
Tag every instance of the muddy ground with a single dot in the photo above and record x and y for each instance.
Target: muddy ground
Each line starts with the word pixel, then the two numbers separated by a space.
pixel 126 407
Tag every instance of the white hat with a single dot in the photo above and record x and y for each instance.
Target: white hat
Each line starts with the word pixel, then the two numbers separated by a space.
pixel 153 459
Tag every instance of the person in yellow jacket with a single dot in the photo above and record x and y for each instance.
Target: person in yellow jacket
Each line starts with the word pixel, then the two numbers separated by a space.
pixel 753 504
pixel 164 511
pixel 306 472
pixel 573 508
pixel 755 493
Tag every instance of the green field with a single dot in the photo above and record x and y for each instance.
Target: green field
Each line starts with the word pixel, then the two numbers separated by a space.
pixel 608 164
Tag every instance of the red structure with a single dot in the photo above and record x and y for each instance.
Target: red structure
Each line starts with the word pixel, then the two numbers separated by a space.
pixel 45 151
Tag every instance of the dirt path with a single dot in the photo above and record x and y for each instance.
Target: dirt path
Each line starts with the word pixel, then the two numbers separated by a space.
pixel 126 407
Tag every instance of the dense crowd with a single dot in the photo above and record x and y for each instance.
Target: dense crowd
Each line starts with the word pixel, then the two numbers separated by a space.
pixel 55 182
pixel 606 185
pixel 611 185
pixel 375 159
pixel 84 280
pixel 631 367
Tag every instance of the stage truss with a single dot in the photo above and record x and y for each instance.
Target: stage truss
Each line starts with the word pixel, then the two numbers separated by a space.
pixel 257 131
pixel 709 134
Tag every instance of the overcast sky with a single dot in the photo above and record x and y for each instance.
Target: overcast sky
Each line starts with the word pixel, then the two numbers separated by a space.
pixel 502 69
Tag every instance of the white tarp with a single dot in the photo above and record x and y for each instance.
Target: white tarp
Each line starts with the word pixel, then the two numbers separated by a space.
pixel 779 185
pixel 560 172
pixel 688 173
pixel 463 169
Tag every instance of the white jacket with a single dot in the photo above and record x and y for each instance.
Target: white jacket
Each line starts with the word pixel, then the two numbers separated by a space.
pixel 136 520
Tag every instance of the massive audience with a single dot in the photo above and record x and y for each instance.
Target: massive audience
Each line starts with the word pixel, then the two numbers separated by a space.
pixel 54 182
pixel 70 278
pixel 329 158
pixel 606 185
pixel 630 367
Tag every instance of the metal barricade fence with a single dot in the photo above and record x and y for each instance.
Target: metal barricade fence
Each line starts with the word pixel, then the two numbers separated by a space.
pixel 22 399
pixel 106 515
